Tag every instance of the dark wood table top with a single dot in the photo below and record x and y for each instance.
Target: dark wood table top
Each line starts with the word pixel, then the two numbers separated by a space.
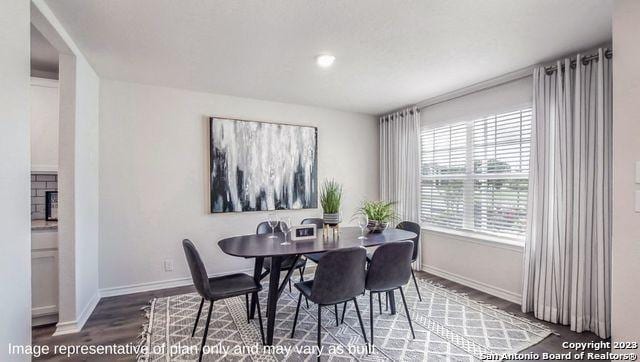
pixel 251 246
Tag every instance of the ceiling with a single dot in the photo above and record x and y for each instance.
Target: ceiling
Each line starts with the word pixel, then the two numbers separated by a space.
pixel 44 57
pixel 389 53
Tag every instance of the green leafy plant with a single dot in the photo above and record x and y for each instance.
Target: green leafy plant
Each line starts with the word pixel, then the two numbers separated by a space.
pixel 331 197
pixel 378 211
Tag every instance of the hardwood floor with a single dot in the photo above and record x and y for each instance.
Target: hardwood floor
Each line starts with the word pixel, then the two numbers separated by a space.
pixel 119 320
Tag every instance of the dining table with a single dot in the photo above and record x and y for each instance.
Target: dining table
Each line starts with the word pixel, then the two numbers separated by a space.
pixel 259 247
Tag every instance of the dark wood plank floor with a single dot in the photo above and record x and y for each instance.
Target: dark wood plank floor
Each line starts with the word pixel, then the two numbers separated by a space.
pixel 119 320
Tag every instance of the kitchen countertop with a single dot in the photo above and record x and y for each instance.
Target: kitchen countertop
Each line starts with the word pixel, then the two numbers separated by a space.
pixel 44 225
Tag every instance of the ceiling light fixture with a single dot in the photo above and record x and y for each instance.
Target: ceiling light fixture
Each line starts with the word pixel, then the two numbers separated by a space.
pixel 325 60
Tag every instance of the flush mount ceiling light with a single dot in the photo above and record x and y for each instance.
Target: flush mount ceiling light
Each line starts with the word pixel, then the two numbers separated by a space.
pixel 325 60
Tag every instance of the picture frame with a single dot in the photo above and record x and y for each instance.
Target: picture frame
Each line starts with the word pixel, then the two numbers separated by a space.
pixel 262 166
pixel 304 232
pixel 51 205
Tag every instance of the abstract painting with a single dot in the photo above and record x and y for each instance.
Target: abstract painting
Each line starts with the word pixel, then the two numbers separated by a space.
pixel 258 166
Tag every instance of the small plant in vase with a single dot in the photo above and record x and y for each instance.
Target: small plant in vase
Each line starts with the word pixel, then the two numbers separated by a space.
pixel 331 200
pixel 379 213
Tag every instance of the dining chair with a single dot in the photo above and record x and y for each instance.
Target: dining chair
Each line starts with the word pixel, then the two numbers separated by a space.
pixel 339 278
pixel 389 269
pixel 287 262
pixel 217 288
pixel 414 228
pixel 319 223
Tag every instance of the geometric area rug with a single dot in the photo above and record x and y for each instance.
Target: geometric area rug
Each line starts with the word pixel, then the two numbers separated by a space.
pixel 448 325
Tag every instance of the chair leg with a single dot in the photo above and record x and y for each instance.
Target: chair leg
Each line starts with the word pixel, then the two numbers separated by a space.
pixel 195 325
pixel 364 334
pixel 295 319
pixel 319 329
pixel 206 331
pixel 259 317
pixel 246 300
pixel 404 301
pixel 386 301
pixel 416 283
pixel 371 313
pixel 344 310
pixel 379 303
pixel 301 270
pixel 289 281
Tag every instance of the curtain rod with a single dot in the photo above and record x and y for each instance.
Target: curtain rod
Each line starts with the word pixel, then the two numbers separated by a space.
pixel 390 116
pixel 477 87
pixel 585 60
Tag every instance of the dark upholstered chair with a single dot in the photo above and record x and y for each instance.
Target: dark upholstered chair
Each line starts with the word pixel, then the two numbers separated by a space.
pixel 319 223
pixel 287 262
pixel 389 269
pixel 340 277
pixel 414 228
pixel 212 289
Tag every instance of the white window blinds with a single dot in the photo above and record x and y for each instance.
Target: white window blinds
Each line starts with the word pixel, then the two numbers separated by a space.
pixel 474 174
pixel 444 161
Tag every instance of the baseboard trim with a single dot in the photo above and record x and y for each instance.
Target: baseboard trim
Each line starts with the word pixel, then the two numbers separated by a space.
pixel 44 320
pixel 75 326
pixel 156 285
pixel 63 328
pixel 44 311
pixel 471 283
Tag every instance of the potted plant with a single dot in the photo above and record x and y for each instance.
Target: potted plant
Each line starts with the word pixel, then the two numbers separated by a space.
pixel 379 213
pixel 330 199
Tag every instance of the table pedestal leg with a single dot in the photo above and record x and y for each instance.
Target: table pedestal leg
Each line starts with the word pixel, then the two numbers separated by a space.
pixel 272 301
pixel 392 302
pixel 257 272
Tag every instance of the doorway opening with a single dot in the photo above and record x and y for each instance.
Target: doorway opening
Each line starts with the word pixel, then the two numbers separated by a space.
pixel 44 125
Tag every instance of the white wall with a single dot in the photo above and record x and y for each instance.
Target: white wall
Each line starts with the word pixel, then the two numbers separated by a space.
pixel 491 267
pixel 15 238
pixel 79 187
pixel 625 262
pixel 66 201
pixel 44 124
pixel 154 176
pixel 86 187
pixel 485 265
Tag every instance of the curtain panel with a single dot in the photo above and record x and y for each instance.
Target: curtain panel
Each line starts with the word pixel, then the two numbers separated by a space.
pixel 567 266
pixel 400 164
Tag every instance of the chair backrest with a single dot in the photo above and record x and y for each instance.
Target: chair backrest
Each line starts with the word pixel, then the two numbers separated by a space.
pixel 264 228
pixel 390 266
pixel 198 271
pixel 319 223
pixel 340 276
pixel 414 228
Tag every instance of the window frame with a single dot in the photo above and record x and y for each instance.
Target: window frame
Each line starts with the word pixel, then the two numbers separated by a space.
pixel 468 178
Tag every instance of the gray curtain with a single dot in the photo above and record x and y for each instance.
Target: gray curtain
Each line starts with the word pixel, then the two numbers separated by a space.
pixel 567 267
pixel 400 164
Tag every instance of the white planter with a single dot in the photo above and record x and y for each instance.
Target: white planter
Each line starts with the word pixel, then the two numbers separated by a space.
pixel 331 219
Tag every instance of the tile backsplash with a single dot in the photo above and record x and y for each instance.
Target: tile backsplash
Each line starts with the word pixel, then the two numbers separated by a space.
pixel 40 183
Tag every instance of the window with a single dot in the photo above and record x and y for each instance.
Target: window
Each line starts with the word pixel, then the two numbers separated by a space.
pixel 475 174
